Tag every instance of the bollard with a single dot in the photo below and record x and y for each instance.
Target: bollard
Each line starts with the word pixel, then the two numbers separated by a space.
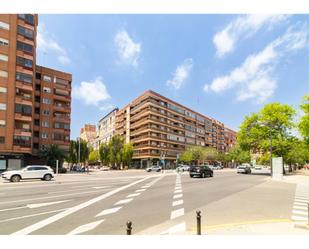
pixel 129 227
pixel 198 222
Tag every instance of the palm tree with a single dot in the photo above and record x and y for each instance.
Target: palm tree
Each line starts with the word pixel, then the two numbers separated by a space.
pixel 51 154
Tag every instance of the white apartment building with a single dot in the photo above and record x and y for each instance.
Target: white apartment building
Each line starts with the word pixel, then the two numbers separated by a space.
pixel 106 129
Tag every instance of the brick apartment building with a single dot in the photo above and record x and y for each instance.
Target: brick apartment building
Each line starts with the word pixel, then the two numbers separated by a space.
pixel 161 128
pixel 88 133
pixel 34 101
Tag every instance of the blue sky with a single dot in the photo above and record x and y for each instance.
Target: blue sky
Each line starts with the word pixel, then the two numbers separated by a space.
pixel 224 66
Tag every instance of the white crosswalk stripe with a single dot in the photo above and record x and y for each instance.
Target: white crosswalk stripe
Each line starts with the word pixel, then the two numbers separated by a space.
pixel 300 206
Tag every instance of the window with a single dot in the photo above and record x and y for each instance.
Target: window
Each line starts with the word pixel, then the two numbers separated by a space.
pixel 4 42
pixel 28 33
pixel 2 107
pixel 3 90
pixel 27 78
pixel 37 110
pixel 27 18
pixel 38 76
pixel 46 90
pixel 60 81
pixel 3 74
pixel 62 126
pixel 61 92
pixel 46 101
pixel 35 146
pixel 23 109
pixel 2 164
pixel 4 25
pixel 44 135
pixel 24 47
pixel 37 122
pixel 2 140
pixel 24 62
pixel 4 57
pixel 36 133
pixel 37 99
pixel 22 141
pixel 45 124
pixel 45 112
pixel 37 87
pixel 2 123
pixel 47 78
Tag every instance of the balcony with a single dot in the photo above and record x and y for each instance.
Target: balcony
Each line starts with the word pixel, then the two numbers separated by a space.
pixel 23 117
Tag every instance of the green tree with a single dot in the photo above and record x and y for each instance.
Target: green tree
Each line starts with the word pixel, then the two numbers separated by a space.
pixel 51 154
pixel 274 121
pixel 303 125
pixel 186 156
pixel 238 155
pixel 104 154
pixel 72 155
pixel 93 156
pixel 116 150
pixel 298 153
pixel 127 154
pixel 210 154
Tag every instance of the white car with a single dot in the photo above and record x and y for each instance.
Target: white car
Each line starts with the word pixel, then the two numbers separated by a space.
pixel 30 172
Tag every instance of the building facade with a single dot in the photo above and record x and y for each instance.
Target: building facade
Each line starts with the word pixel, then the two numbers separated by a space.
pixel 106 129
pixel 21 99
pixel 160 128
pixel 88 133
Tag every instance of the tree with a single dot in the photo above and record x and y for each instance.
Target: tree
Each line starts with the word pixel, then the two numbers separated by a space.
pixel 72 155
pixel 298 154
pixel 93 156
pixel 104 154
pixel 210 154
pixel 238 155
pixel 186 156
pixel 127 154
pixel 272 123
pixel 51 154
pixel 115 151
pixel 303 125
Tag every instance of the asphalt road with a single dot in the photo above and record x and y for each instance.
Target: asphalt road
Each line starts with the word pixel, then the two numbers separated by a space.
pixel 156 203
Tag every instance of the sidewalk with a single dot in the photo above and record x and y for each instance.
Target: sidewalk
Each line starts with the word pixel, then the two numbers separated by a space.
pixel 273 228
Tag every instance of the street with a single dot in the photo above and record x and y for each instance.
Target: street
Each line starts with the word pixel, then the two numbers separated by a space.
pixel 156 203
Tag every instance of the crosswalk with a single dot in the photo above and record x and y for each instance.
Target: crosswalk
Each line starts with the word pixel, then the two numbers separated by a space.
pixel 301 202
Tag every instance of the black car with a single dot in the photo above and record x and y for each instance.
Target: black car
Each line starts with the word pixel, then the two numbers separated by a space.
pixel 201 171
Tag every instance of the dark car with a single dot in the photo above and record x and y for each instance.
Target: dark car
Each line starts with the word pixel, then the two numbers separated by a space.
pixel 201 171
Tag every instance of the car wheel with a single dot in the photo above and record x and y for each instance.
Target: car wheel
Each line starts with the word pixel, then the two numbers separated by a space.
pixel 211 175
pixel 15 178
pixel 47 177
pixel 191 176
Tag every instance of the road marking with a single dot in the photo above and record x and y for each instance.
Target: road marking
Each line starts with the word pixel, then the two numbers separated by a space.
pixel 32 215
pixel 177 196
pixel 299 218
pixel 140 190
pixel 133 195
pixel 177 213
pixel 109 211
pixel 177 191
pixel 176 203
pixel 37 205
pixel 123 201
pixel 50 197
pixel 297 203
pixel 101 187
pixel 179 187
pixel 300 201
pixel 180 228
pixel 34 205
pixel 304 213
pixel 43 223
pixel 86 227
pixel 302 198
pixel 300 208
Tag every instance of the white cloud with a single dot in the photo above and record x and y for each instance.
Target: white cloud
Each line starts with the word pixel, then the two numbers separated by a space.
pixel 47 44
pixel 242 28
pixel 128 50
pixel 181 74
pixel 92 92
pixel 254 77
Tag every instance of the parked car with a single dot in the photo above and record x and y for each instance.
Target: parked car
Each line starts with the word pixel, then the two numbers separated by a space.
pixel 183 168
pixel 216 167
pixel 306 166
pixel 153 168
pixel 201 171
pixel 244 169
pixel 104 168
pixel 42 172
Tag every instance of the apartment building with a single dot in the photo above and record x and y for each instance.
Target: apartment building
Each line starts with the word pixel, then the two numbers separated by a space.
pixel 22 123
pixel 106 129
pixel 88 133
pixel 160 128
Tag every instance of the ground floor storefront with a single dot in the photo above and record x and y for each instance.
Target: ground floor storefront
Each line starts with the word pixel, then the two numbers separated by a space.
pixel 17 161
pixel 143 163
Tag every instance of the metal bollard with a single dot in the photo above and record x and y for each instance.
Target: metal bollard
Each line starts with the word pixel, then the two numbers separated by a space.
pixel 129 227
pixel 198 222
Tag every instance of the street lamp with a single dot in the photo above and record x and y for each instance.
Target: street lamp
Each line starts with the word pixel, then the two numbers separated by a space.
pixel 78 160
